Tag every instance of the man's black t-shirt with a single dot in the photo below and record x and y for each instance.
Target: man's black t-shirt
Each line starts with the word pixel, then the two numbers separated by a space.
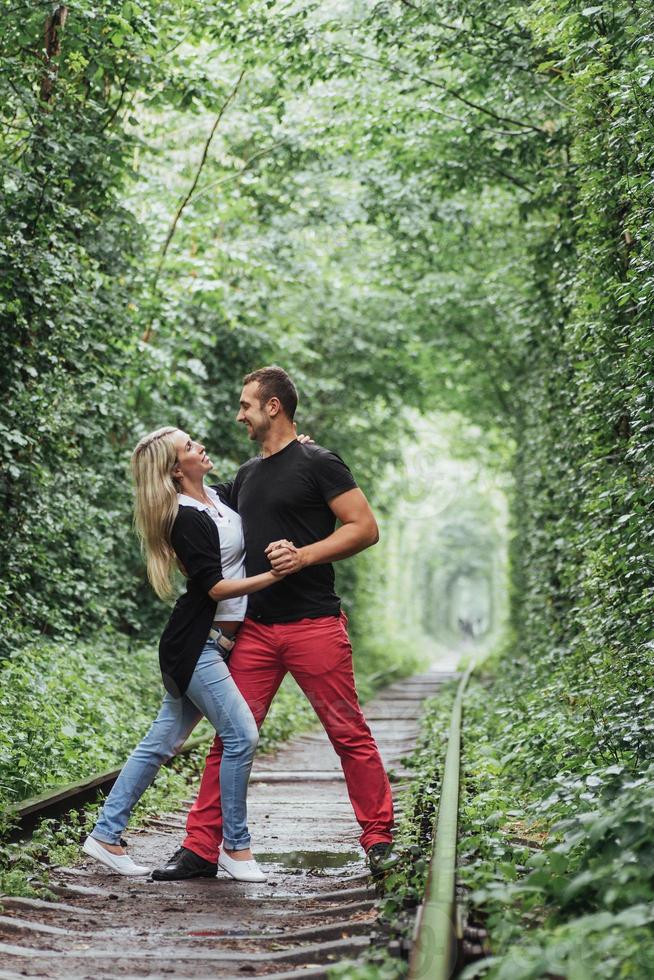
pixel 285 496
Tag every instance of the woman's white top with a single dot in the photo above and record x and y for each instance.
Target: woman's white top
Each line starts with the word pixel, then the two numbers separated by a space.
pixel 232 550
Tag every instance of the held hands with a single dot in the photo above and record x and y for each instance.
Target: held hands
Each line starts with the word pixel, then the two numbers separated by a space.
pixel 284 557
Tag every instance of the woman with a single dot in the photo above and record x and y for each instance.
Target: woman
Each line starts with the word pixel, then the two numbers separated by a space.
pixel 181 521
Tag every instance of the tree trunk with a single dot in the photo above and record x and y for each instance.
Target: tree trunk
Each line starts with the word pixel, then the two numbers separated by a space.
pixel 52 49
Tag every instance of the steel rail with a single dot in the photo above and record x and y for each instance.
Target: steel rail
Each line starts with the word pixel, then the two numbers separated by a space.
pixel 434 951
pixel 59 799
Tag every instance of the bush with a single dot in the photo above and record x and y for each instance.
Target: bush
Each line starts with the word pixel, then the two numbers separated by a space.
pixel 556 838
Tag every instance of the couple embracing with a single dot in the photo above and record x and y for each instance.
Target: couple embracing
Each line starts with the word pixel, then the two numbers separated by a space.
pixel 257 554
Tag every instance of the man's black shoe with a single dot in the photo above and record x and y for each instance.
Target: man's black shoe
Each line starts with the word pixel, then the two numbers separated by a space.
pixel 185 864
pixel 381 858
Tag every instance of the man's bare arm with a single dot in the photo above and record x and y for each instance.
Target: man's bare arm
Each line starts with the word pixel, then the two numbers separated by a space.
pixel 358 531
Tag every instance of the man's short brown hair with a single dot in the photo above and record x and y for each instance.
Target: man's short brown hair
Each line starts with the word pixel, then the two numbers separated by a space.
pixel 275 383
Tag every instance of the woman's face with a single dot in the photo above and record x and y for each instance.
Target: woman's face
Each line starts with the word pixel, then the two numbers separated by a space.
pixel 192 461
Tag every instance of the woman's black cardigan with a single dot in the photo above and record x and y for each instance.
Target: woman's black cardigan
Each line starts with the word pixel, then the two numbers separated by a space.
pixel 196 542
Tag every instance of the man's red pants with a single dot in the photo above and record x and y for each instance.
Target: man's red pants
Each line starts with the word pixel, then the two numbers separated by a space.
pixel 318 654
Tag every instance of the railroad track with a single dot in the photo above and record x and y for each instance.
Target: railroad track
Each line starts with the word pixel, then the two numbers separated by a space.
pixel 317 908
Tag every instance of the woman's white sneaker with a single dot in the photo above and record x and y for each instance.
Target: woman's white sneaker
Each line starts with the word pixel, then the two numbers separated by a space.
pixel 241 870
pixel 122 864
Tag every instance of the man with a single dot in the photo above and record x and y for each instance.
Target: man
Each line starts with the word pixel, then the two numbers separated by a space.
pixel 289 498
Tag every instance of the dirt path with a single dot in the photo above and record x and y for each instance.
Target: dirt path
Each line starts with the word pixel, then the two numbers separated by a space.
pixel 315 909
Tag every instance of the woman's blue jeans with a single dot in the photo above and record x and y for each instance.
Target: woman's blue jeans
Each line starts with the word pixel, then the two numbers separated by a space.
pixel 212 693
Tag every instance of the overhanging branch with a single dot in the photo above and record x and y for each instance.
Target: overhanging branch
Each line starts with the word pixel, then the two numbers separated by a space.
pixel 189 194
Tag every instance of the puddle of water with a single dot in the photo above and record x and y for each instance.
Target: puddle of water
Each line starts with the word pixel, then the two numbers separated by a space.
pixel 308 860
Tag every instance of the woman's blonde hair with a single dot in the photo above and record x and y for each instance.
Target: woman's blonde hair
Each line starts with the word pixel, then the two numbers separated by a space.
pixel 155 504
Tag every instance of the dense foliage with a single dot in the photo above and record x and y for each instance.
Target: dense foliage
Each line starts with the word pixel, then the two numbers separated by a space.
pixel 407 204
pixel 556 834
pixel 105 334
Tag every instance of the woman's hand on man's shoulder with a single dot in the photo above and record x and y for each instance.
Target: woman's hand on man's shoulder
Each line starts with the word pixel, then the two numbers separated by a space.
pixel 302 437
